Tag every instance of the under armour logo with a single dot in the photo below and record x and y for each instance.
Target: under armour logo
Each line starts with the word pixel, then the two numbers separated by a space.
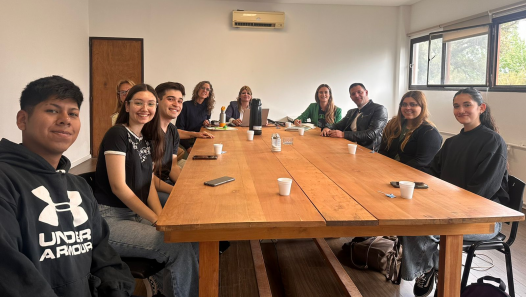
pixel 49 214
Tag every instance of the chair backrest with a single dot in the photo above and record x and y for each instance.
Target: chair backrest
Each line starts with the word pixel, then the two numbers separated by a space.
pixel 89 177
pixel 516 191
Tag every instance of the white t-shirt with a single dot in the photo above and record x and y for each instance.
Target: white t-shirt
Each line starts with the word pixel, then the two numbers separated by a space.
pixel 240 115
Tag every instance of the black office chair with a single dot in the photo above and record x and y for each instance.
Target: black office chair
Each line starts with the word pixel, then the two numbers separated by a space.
pixel 515 190
pixel 141 268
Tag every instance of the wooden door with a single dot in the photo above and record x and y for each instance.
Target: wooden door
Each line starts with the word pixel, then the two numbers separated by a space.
pixel 111 60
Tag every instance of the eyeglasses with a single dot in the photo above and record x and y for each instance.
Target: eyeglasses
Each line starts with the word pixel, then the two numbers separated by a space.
pixel 140 103
pixel 205 89
pixel 122 92
pixel 412 104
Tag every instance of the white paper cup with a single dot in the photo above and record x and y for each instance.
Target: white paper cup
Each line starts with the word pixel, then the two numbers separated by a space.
pixel 301 131
pixel 284 185
pixel 218 148
pixel 250 135
pixel 406 189
pixel 288 124
pixel 352 148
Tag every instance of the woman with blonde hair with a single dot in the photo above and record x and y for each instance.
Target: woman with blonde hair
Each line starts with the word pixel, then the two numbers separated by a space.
pixel 196 112
pixel 323 113
pixel 236 109
pixel 410 137
pixel 123 86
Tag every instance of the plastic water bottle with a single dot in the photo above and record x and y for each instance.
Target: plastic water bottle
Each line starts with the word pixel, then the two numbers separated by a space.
pixel 222 117
pixel 276 143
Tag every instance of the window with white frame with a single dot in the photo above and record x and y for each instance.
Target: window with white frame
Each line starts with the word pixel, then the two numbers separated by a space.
pixel 490 55
pixel 418 65
pixel 458 57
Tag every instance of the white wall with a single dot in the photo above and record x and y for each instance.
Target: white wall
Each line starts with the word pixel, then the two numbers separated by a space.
pixel 402 55
pixel 507 108
pixel 188 42
pixel 43 38
pixel 430 13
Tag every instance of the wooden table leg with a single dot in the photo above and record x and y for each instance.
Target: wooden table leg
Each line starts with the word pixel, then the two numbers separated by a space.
pixel 449 266
pixel 344 279
pixel 261 270
pixel 209 269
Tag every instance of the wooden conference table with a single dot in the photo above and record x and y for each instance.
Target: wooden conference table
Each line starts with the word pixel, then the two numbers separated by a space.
pixel 334 194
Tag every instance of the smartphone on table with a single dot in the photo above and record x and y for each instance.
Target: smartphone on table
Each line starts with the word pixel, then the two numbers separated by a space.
pixel 219 181
pixel 418 185
pixel 204 157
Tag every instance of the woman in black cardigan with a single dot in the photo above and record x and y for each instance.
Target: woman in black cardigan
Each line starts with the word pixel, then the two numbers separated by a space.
pixel 410 137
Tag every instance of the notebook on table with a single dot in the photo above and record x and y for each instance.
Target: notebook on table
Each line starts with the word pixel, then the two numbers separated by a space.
pixel 306 126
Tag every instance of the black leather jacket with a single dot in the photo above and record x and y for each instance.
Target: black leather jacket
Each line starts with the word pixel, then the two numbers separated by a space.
pixel 370 125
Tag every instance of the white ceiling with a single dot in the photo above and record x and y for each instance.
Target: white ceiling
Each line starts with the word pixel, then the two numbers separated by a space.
pixel 337 2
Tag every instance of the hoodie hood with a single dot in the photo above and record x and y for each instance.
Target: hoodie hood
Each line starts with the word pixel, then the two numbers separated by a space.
pixel 19 156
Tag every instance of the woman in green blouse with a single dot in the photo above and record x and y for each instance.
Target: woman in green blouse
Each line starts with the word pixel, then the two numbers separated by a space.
pixel 323 113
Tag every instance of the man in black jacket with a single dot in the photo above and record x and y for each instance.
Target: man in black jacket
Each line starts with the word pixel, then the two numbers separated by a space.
pixel 53 240
pixel 363 125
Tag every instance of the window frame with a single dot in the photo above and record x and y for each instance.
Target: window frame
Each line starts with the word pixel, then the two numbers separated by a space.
pixel 491 67
pixel 440 34
pixel 413 42
pixel 495 29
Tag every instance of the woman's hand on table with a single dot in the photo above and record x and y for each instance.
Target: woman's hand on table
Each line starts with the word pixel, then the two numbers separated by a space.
pixel 297 122
pixel 325 132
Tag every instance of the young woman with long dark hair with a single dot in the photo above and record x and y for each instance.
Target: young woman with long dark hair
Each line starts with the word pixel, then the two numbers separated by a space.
pixel 127 198
pixel 475 160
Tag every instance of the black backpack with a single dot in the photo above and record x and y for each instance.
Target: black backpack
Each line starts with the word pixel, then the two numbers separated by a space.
pixel 481 289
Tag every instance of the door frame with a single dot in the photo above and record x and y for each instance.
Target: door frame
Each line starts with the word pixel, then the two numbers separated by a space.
pixel 91 79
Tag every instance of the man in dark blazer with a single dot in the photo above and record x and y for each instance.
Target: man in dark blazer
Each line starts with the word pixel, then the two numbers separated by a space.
pixel 363 125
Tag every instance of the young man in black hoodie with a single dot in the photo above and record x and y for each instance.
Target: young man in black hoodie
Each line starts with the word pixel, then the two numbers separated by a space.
pixel 53 240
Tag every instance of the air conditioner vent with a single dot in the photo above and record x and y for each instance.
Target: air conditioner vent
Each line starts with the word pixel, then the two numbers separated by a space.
pixel 258 19
pixel 238 24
